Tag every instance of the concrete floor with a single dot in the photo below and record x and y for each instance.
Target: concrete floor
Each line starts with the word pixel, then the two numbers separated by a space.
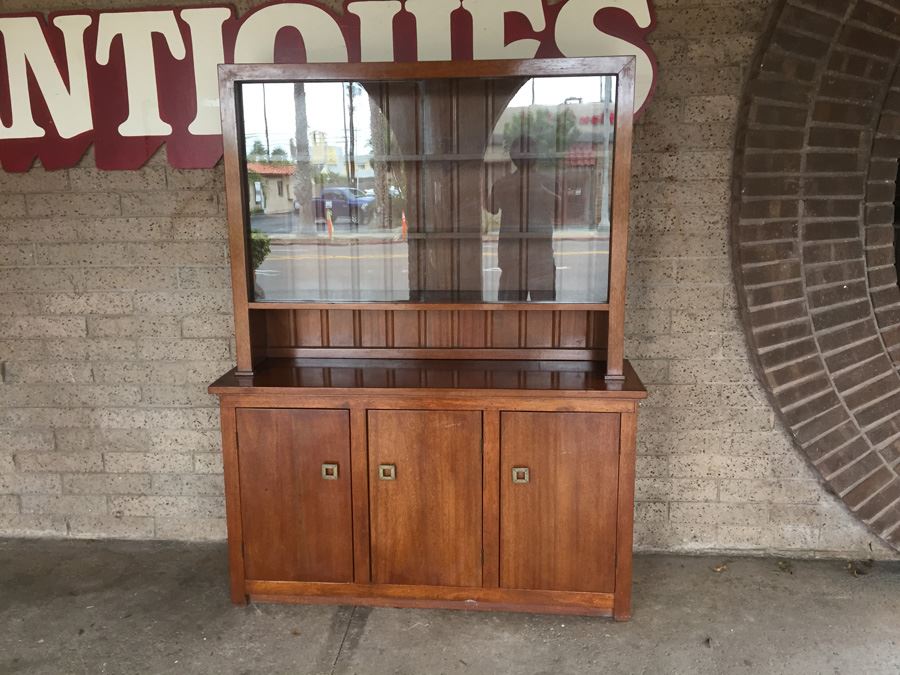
pixel 114 607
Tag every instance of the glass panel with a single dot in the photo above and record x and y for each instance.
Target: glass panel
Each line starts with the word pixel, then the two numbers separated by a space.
pixel 482 191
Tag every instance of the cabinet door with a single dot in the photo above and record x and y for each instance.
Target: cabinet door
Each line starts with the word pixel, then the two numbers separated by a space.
pixel 295 511
pixel 558 518
pixel 425 494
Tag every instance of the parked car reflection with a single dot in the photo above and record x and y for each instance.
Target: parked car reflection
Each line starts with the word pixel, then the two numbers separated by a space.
pixel 348 206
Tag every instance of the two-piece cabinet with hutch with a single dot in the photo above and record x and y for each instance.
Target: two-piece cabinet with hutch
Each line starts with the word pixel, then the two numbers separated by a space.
pixel 431 405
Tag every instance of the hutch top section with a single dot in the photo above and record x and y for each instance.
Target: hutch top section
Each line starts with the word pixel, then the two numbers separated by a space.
pixel 481 185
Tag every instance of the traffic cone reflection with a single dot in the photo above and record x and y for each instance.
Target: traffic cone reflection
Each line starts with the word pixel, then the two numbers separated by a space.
pixel 330 221
pixel 404 226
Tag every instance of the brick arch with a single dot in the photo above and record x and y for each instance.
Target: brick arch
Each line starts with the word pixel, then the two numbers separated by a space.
pixel 881 195
pixel 811 255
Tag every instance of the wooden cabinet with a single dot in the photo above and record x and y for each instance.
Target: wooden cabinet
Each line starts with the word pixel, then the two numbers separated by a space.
pixel 558 480
pixel 458 228
pixel 431 495
pixel 431 405
pixel 295 494
pixel 425 497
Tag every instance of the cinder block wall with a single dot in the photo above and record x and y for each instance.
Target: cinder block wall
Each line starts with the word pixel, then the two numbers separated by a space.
pixel 115 314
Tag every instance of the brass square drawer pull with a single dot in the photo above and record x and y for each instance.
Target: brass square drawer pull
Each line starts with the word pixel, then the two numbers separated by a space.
pixel 520 474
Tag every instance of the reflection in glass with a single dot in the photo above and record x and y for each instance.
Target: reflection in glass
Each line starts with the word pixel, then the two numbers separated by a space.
pixel 479 191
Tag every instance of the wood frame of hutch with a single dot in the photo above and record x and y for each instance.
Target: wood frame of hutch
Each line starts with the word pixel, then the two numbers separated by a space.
pixel 476 456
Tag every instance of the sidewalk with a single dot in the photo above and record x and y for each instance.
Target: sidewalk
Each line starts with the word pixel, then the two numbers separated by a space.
pixel 154 607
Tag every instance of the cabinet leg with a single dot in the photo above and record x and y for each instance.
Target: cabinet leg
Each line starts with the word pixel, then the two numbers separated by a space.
pixel 622 606
pixel 238 592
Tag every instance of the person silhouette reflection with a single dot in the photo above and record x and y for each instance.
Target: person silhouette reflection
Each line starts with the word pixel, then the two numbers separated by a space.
pixel 526 200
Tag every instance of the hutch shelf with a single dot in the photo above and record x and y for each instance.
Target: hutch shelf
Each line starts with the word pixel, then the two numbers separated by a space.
pixel 431 405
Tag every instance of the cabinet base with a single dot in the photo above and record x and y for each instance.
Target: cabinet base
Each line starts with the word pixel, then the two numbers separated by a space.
pixel 438 597
pixel 509 444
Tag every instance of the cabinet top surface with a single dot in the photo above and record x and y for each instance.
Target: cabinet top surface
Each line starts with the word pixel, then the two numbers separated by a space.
pixel 583 378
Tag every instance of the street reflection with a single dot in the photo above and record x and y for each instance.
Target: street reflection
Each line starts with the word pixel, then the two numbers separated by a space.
pixel 417 192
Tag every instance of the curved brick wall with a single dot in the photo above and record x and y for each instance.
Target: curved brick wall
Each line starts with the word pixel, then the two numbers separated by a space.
pixel 813 242
pixel 881 195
